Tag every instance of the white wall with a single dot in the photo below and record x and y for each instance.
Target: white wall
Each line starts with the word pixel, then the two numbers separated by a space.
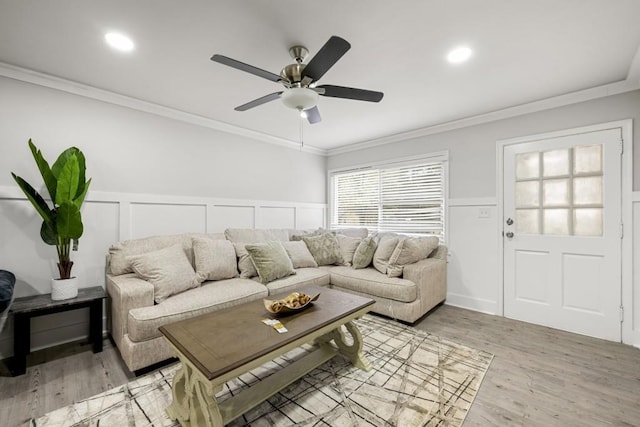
pixel 151 175
pixel 474 241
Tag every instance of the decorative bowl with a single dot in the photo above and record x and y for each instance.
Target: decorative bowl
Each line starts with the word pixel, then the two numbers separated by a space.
pixel 295 301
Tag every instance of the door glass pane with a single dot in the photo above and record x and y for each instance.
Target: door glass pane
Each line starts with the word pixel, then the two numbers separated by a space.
pixel 587 191
pixel 527 194
pixel 556 221
pixel 527 165
pixel 587 222
pixel 527 221
pixel 587 159
pixel 555 163
pixel 555 192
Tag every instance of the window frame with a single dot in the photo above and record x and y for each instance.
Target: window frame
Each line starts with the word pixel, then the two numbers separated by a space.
pixel 435 157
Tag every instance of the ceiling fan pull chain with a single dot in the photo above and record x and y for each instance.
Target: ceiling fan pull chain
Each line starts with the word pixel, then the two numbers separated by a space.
pixel 301 134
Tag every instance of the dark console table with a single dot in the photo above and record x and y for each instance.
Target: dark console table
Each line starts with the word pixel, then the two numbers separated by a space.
pixel 25 308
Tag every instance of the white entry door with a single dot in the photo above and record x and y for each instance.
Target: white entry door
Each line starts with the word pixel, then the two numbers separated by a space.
pixel 562 233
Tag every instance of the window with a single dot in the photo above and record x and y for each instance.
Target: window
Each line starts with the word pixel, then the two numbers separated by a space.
pixel 405 198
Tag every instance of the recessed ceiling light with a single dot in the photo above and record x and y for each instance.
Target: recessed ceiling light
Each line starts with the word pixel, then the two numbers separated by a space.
pixel 459 54
pixel 119 41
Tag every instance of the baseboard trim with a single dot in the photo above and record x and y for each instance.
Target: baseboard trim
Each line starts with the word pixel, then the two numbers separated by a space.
pixel 472 303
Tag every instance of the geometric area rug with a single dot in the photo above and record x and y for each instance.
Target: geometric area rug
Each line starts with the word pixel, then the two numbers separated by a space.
pixel 417 379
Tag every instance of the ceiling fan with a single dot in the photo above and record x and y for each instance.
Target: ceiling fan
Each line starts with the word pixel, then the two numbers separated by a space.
pixel 300 79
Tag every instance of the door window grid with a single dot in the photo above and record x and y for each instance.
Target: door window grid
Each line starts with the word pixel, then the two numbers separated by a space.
pixel 560 192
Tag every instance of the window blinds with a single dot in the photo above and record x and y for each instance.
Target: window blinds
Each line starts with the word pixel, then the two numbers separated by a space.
pixel 408 199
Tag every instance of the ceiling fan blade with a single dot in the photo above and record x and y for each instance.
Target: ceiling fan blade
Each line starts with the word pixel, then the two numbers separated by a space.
pixel 259 101
pixel 313 115
pixel 328 55
pixel 221 59
pixel 350 93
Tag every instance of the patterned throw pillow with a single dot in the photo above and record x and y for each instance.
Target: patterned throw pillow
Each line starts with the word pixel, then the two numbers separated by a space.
pixel 299 254
pixel 364 253
pixel 408 251
pixel 324 248
pixel 270 260
pixel 168 270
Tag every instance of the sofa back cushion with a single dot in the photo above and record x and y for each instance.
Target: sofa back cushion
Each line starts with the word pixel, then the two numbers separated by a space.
pixel 118 253
pixel 348 246
pixel 253 235
pixel 214 259
pixel 167 269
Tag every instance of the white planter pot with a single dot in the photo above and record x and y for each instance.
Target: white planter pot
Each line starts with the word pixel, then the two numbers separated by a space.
pixel 64 288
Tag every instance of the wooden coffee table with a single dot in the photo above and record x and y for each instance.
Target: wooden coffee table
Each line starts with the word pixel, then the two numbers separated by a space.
pixel 219 346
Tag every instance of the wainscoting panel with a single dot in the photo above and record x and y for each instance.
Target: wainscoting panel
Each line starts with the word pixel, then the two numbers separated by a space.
pixel 472 271
pixel 155 219
pixel 309 218
pixel 223 217
pixel 109 218
pixel 277 217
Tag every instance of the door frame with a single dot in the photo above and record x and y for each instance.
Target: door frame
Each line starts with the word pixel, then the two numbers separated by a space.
pixel 629 336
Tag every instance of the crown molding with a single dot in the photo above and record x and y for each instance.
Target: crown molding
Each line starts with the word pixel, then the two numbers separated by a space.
pixel 518 110
pixel 41 79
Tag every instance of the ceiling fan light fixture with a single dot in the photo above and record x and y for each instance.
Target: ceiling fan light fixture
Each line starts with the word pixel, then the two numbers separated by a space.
pixel 299 98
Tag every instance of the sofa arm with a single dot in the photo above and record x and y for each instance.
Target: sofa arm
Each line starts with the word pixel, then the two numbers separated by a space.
pixel 430 277
pixel 127 292
pixel 439 253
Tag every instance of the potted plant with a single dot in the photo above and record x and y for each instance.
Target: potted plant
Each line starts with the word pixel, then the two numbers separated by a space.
pixel 62 223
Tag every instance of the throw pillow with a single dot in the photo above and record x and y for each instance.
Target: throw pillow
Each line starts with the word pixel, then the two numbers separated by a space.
pixel 324 248
pixel 168 270
pixel 386 245
pixel 214 259
pixel 408 251
pixel 245 265
pixel 348 246
pixel 364 253
pixel 270 260
pixel 299 254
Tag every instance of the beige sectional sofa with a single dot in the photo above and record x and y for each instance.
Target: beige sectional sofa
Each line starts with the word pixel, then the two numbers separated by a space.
pixel 138 307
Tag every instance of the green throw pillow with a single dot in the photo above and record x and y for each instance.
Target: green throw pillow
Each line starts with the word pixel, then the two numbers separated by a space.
pixel 364 253
pixel 324 248
pixel 270 260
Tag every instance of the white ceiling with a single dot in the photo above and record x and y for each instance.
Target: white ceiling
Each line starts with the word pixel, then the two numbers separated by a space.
pixel 523 51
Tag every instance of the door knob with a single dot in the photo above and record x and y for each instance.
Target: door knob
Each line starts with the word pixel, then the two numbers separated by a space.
pixel 509 234
pixel 509 221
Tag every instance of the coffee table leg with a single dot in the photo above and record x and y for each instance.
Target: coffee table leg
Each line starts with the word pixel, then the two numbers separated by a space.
pixel 194 402
pixel 352 351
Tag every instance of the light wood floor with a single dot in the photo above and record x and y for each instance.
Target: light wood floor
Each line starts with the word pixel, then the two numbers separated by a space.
pixel 539 376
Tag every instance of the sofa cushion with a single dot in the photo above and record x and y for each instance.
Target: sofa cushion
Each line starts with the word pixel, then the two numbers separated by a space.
pixel 363 255
pixel 270 260
pixel 252 235
pixel 386 244
pixel 303 277
pixel 359 232
pixel 143 323
pixel 370 281
pixel 348 246
pixel 299 254
pixel 168 270
pixel 214 259
pixel 408 251
pixel 118 253
pixel 324 248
